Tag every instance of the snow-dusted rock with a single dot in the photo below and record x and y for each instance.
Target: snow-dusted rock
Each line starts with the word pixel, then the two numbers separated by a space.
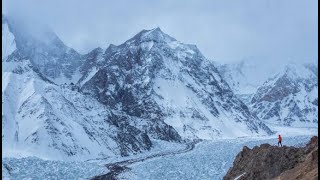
pixel 56 122
pixel 59 104
pixel 246 76
pixel 158 79
pixel 45 50
pixel 278 93
pixel 290 97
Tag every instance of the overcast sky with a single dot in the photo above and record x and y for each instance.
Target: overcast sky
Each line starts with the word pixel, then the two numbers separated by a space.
pixel 224 30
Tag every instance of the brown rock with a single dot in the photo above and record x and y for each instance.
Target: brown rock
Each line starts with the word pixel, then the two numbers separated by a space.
pixel 308 169
pixel 272 162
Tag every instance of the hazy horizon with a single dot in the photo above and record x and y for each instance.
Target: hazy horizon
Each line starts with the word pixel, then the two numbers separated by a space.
pixel 223 31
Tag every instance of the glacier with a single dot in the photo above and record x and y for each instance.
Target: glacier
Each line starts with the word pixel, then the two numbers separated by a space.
pixel 208 160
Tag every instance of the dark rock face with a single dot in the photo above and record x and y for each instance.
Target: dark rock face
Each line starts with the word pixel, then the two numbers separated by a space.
pixel 308 169
pixel 268 162
pixel 117 84
pixel 283 87
pixel 129 138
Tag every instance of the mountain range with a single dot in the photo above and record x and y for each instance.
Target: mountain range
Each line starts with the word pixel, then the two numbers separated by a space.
pixel 58 103
pixel 288 96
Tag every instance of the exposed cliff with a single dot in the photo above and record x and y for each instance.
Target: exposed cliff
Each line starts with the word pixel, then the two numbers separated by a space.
pixel 272 162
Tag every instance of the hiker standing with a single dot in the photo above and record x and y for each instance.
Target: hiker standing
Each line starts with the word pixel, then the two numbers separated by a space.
pixel 279 140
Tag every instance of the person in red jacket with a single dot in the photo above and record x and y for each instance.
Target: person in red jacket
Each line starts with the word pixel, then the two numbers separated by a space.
pixel 279 140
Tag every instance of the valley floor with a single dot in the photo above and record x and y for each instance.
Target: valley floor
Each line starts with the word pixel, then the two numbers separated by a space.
pixel 208 160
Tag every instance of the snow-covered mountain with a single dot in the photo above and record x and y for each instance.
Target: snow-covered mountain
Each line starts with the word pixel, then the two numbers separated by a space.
pixel 290 97
pixel 40 118
pixel 8 43
pixel 246 76
pixel 46 51
pixel 58 103
pixel 281 94
pixel 157 79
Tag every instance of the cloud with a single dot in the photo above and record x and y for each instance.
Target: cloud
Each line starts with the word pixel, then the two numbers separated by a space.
pixel 224 31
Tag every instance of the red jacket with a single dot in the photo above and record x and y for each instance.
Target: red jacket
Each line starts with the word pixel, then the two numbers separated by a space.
pixel 280 138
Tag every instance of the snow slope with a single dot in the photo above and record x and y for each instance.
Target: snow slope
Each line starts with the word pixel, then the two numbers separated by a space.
pixel 57 122
pixel 42 118
pixel 39 118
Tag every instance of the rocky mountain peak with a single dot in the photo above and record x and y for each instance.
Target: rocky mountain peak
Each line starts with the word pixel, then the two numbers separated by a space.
pixel 291 80
pixel 155 35
pixel 313 67
pixel 44 49
pixel 297 71
pixel 111 48
pixel 142 76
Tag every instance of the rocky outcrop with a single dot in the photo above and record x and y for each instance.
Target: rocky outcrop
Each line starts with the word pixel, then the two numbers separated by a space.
pixel 308 169
pixel 272 162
